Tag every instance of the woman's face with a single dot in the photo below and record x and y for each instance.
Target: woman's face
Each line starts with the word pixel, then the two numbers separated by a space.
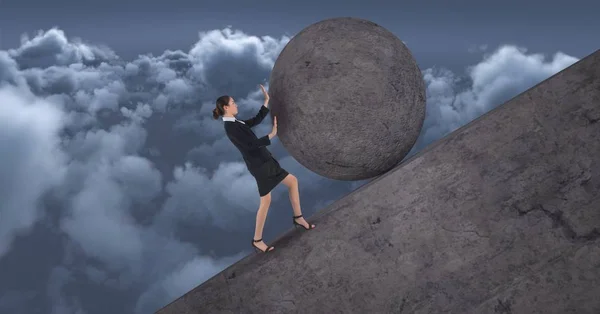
pixel 231 107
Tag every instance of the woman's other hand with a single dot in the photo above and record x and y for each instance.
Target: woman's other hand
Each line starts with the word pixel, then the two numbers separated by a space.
pixel 274 131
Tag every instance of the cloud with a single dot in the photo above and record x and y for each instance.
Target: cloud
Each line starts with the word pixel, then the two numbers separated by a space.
pixel 247 59
pixel 453 101
pixel 32 162
pixel 144 180
pixel 9 72
pixel 220 199
pixel 53 48
pixel 101 225
pixel 62 302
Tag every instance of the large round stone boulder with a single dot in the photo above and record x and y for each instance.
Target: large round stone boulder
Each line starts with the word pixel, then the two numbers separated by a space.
pixel 349 98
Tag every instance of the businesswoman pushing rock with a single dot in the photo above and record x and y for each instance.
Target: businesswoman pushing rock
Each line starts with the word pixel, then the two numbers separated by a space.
pixel 261 164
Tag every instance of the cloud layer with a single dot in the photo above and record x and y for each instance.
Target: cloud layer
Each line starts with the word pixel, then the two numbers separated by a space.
pixel 453 101
pixel 120 165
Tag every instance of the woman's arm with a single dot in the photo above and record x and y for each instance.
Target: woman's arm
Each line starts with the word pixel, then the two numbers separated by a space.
pixel 241 138
pixel 262 113
pixel 263 110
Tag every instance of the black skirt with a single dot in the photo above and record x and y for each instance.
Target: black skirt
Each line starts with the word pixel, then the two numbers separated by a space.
pixel 268 176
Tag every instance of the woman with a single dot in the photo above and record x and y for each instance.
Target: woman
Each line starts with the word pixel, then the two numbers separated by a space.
pixel 261 164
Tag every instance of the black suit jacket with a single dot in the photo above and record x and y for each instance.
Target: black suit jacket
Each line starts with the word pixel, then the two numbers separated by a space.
pixel 253 149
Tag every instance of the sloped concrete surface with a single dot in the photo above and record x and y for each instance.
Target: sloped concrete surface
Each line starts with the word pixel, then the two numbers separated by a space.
pixel 501 216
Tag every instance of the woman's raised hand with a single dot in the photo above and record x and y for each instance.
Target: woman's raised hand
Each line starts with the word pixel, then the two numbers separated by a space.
pixel 264 93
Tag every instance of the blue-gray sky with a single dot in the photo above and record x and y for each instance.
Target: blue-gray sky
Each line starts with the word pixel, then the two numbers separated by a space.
pixel 119 193
pixel 438 32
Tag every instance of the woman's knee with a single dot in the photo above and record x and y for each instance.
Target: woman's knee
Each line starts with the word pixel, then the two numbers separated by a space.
pixel 293 180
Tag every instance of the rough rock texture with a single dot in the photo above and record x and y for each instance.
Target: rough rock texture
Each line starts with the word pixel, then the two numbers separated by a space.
pixel 349 99
pixel 501 216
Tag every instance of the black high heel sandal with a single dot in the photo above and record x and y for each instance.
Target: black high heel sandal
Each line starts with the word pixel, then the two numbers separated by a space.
pixel 296 224
pixel 258 249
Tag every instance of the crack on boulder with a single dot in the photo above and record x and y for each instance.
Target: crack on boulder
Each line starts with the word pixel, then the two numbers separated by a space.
pixel 285 300
pixel 503 307
pixel 558 220
pixel 585 182
pixel 590 119
pixel 337 164
pixel 467 231
pixel 381 243
pixel 386 126
pixel 344 166
pixel 401 306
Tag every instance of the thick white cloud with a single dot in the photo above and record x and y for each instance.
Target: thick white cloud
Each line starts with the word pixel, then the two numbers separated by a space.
pixel 52 48
pixel 221 198
pixel 216 43
pixel 453 101
pixel 100 223
pixel 9 71
pixel 246 60
pixel 31 161
pixel 139 159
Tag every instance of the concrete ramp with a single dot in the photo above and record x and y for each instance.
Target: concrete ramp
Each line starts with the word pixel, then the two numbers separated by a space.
pixel 501 216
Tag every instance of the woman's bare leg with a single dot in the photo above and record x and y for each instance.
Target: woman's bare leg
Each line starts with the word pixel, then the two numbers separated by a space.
pixel 292 183
pixel 261 216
